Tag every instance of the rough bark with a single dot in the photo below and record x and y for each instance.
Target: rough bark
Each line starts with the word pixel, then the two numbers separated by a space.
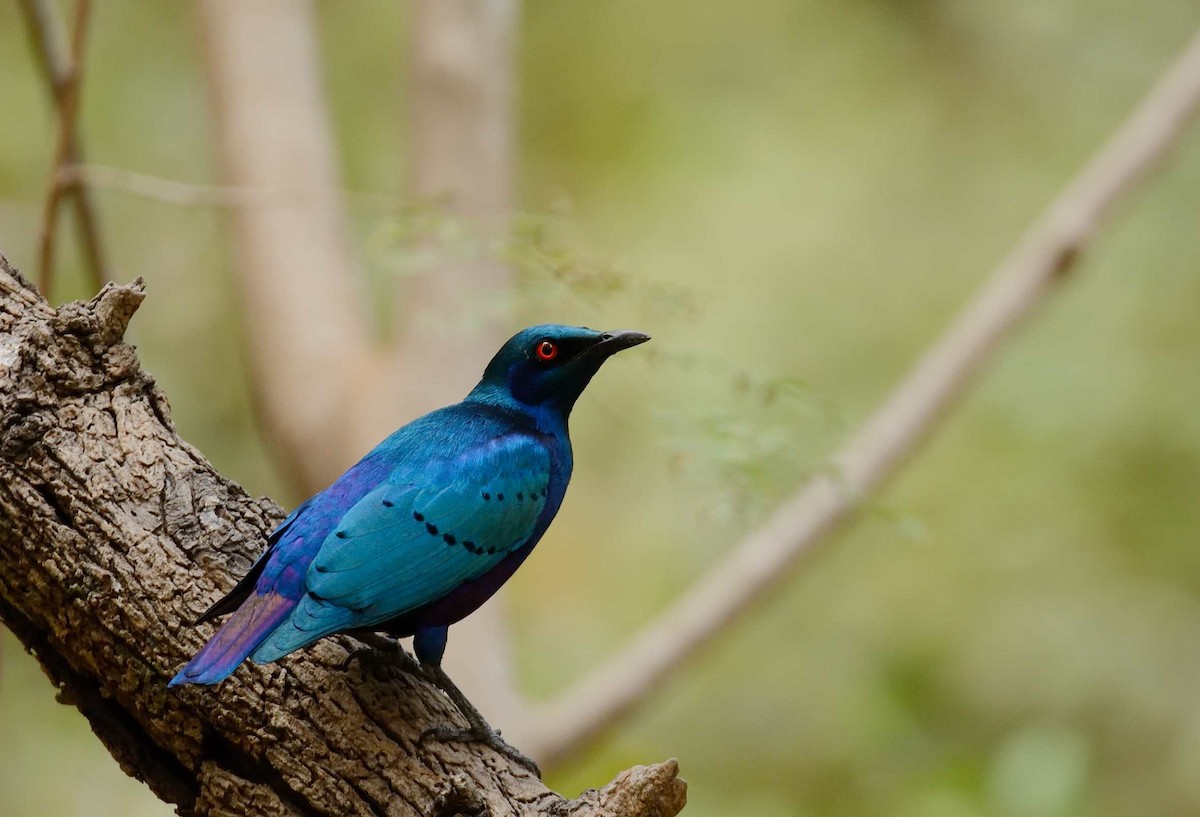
pixel 115 534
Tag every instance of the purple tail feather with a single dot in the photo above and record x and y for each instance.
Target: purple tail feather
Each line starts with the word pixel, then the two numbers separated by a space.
pixel 248 627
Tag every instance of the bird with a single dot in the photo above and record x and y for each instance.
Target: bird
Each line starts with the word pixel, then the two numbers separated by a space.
pixel 424 528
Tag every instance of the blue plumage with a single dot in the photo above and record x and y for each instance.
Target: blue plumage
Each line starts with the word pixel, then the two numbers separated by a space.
pixel 429 524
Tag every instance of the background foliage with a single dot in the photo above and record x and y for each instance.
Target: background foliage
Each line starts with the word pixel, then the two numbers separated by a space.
pixel 792 197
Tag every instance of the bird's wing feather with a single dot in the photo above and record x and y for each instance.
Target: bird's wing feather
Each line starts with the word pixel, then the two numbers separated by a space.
pixel 419 535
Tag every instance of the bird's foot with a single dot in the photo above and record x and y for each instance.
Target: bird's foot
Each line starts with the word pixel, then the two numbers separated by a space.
pixel 380 654
pixel 479 731
pixel 485 735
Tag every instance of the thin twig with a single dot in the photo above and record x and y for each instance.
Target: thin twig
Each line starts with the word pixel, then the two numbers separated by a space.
pixel 45 33
pixel 68 107
pixel 764 558
pixel 188 194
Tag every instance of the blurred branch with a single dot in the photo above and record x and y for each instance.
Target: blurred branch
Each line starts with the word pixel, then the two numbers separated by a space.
pixel 768 555
pixel 188 194
pixel 303 312
pixel 461 95
pixel 314 362
pixel 64 75
pixel 461 92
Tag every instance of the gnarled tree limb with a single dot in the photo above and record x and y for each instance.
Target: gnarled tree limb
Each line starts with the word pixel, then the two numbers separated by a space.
pixel 115 533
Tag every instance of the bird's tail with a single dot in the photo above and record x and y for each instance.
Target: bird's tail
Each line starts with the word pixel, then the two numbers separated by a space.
pixel 249 626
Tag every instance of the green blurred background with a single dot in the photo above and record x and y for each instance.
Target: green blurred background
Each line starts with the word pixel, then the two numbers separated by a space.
pixel 797 195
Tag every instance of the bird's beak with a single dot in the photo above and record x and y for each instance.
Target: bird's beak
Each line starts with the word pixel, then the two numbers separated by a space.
pixel 612 342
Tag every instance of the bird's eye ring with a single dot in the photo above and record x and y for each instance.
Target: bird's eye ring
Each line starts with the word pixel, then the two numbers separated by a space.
pixel 546 350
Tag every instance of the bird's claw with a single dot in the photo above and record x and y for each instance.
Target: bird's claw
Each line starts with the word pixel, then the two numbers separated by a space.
pixel 370 659
pixel 488 737
pixel 375 661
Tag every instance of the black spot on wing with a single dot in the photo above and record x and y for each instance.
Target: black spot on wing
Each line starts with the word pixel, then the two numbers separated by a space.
pixel 322 600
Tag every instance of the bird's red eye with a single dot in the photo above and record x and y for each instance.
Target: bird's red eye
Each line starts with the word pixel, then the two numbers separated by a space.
pixel 546 350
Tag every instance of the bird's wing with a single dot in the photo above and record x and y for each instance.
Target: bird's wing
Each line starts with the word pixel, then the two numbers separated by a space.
pixel 234 598
pixel 419 535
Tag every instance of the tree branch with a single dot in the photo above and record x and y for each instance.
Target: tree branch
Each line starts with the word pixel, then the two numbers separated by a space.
pixel 301 304
pixel 64 76
pixel 188 194
pixel 768 555
pixel 114 533
pixel 461 91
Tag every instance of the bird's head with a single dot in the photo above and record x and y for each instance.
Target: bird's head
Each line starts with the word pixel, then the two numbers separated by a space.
pixel 551 364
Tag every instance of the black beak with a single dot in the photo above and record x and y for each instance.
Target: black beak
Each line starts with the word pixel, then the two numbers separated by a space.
pixel 612 342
